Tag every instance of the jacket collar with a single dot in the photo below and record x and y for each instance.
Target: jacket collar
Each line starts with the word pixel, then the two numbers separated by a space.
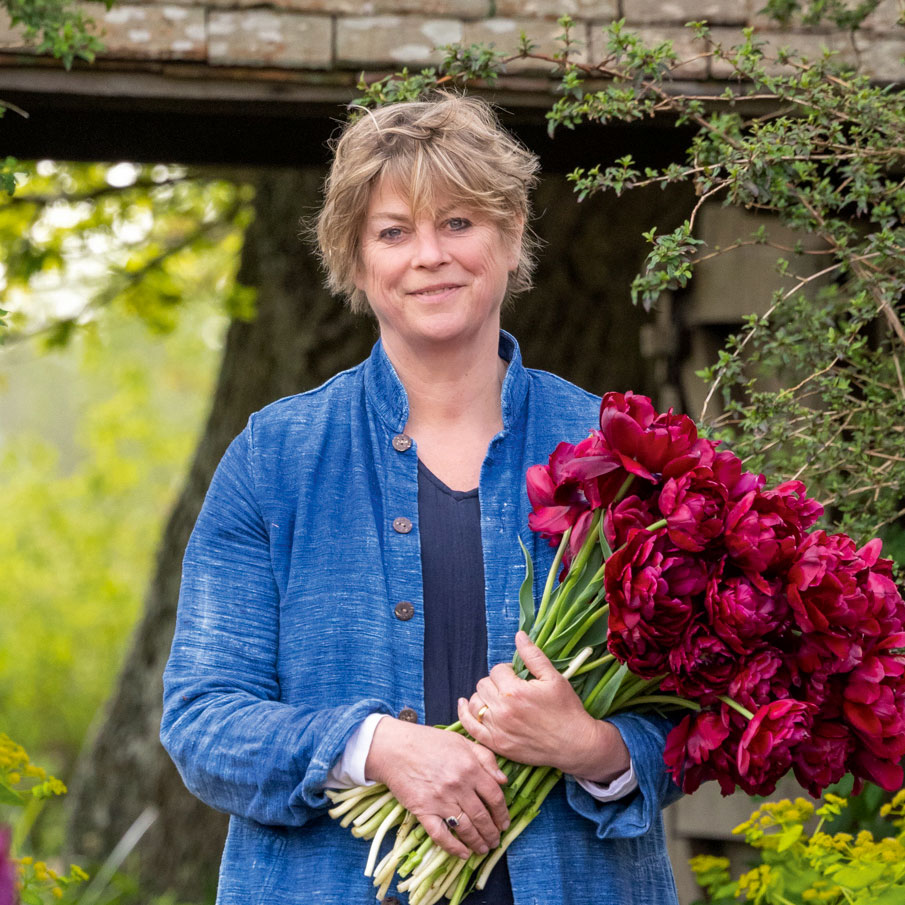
pixel 388 397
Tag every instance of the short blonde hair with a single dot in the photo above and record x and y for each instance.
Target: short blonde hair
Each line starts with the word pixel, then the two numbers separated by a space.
pixel 445 145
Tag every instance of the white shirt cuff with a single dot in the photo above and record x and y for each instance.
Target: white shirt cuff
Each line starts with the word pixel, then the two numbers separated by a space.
pixel 619 787
pixel 349 770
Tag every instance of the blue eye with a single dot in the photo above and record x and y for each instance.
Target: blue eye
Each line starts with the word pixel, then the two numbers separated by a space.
pixel 458 223
pixel 392 232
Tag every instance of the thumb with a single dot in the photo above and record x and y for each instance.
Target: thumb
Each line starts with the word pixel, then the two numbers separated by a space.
pixel 534 658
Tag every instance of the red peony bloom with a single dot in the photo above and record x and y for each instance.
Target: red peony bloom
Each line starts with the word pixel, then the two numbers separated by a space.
pixel 557 501
pixel 634 440
pixel 874 701
pixel 728 470
pixel 620 518
pixel 763 677
pixel 764 528
pixel 744 615
pixel 646 620
pixel 694 506
pixel 701 665
pixel 765 752
pixel 9 894
pixel 697 750
pixel 822 758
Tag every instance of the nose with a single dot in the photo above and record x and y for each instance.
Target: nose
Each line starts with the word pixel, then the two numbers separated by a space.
pixel 429 251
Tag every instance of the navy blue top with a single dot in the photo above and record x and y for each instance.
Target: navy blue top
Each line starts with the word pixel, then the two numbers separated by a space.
pixel 455 629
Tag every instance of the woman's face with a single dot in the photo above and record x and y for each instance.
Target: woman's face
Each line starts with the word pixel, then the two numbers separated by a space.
pixel 436 278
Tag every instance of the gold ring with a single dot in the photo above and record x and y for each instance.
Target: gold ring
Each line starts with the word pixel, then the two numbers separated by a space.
pixel 481 712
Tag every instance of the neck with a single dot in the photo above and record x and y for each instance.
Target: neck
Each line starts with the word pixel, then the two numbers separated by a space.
pixel 451 385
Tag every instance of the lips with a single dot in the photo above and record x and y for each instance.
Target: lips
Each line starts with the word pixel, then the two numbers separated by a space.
pixel 435 289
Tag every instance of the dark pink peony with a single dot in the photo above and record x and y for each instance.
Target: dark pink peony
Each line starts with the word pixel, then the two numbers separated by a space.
pixel 764 528
pixel 874 700
pixel 634 441
pixel 694 506
pixel 646 619
pixel 557 502
pixel 765 752
pixel 762 677
pixel 744 615
pixel 620 518
pixel 9 894
pixel 822 758
pixel 697 750
pixel 727 470
pixel 701 665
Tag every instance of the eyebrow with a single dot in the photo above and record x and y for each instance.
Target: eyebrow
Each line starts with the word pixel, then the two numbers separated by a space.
pixel 393 215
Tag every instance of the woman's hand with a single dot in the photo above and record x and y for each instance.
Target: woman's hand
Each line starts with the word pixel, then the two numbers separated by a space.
pixel 438 774
pixel 543 721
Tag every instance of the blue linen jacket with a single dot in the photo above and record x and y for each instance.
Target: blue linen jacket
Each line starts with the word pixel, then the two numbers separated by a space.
pixel 286 639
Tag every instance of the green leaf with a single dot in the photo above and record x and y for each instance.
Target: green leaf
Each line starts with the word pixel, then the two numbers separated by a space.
pixel 858 876
pixel 10 796
pixel 605 699
pixel 526 594
pixel 30 897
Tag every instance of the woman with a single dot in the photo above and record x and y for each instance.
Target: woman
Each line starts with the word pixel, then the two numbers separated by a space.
pixel 356 564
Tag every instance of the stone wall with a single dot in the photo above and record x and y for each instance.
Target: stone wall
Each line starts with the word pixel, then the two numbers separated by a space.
pixel 309 37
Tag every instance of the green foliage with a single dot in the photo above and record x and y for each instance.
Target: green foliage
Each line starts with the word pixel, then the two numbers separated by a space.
pixel 796 864
pixel 104 431
pixel 841 13
pixel 57 27
pixel 78 238
pixel 24 786
pixel 96 435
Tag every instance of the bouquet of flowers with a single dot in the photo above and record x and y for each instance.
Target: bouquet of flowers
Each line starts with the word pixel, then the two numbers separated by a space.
pixel 684 583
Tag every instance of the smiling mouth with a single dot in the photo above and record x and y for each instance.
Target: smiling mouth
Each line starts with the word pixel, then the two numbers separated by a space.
pixel 435 290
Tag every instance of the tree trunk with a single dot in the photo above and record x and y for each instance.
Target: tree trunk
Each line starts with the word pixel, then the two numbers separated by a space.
pixel 577 323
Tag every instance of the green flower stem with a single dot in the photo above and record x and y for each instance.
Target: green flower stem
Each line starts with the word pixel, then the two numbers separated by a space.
pixel 518 827
pixel 551 576
pixel 415 857
pixel 656 526
pixel 461 889
pixel 744 711
pixel 580 631
pixel 591 665
pixel 599 687
pixel 665 699
pixel 390 820
pixel 630 690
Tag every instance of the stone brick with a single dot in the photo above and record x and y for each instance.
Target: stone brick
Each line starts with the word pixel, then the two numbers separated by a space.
pixel 163 31
pixel 686 46
pixel 262 37
pixel 553 9
pixel 505 35
pixel 678 12
pixel 393 40
pixel 883 59
pixel 808 44
pixel 454 8
pixel 885 18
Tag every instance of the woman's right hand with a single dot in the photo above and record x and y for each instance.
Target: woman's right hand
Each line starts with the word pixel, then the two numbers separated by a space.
pixel 437 774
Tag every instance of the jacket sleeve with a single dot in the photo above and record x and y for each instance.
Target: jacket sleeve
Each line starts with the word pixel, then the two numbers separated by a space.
pixel 237 747
pixel 645 737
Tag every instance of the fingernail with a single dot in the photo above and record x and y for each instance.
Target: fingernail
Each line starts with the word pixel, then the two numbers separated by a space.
pixel 501 776
pixel 505 825
pixel 482 849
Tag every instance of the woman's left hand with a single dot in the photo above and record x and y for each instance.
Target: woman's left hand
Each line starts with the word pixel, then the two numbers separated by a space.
pixel 542 722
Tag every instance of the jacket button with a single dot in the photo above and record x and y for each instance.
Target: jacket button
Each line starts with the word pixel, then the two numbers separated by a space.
pixel 401 443
pixel 404 610
pixel 390 900
pixel 408 715
pixel 402 525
